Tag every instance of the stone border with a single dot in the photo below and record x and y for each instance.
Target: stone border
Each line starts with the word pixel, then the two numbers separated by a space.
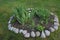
pixel 42 34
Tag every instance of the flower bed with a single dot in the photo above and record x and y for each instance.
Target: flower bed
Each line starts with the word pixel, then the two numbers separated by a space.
pixel 33 22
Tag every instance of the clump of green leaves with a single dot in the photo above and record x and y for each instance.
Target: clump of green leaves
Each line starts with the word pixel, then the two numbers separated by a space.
pixel 43 14
pixel 40 27
pixel 19 14
pixel 22 15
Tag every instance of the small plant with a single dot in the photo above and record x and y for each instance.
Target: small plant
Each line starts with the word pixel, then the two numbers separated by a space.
pixel 43 14
pixel 23 16
pixel 40 28
pixel 19 15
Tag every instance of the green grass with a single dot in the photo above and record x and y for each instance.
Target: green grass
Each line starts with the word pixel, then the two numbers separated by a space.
pixel 6 11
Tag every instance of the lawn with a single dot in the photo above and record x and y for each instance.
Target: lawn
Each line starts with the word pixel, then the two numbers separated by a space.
pixel 6 11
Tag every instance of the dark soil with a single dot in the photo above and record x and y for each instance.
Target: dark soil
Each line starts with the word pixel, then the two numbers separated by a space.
pixel 36 20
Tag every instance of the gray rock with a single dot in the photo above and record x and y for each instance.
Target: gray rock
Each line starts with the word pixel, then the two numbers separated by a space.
pixel 16 30
pixel 33 34
pixel 11 28
pixel 24 31
pixel 9 25
pixel 52 13
pixel 27 35
pixel 11 18
pixel 9 22
pixel 56 19
pixel 43 35
pixel 47 33
pixel 29 11
pixel 51 29
pixel 56 23
pixel 37 33
pixel 55 27
pixel 21 31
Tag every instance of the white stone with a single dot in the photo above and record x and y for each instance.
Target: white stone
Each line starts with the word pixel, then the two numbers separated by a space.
pixel 16 30
pixel 29 11
pixel 56 23
pixel 52 29
pixel 24 31
pixel 12 28
pixel 37 33
pixel 9 25
pixel 43 35
pixel 21 30
pixel 52 13
pixel 47 33
pixel 9 22
pixel 55 27
pixel 33 34
pixel 27 35
pixel 9 28
pixel 28 8
pixel 56 19
pixel 10 19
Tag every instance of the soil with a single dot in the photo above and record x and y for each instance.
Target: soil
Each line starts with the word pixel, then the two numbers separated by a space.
pixel 36 20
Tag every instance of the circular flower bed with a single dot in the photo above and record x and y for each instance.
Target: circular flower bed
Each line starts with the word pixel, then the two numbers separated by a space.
pixel 33 22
